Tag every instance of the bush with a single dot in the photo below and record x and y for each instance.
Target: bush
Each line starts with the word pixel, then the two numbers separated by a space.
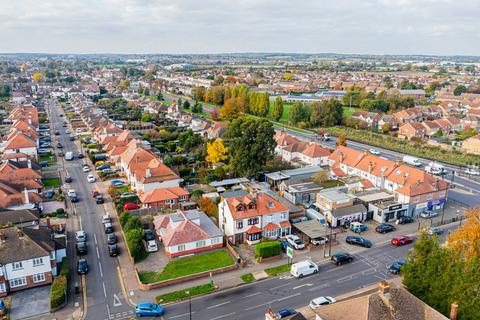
pixel 64 269
pixel 247 278
pixel 58 291
pixel 267 249
pixel 132 223
pixel 134 239
pixel 182 295
pixel 123 218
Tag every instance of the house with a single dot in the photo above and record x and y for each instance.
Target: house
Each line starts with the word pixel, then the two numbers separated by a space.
pixel 291 149
pixel 275 178
pixel 217 130
pixel 28 258
pixel 249 218
pixel 14 199
pixel 370 119
pixel 340 216
pixel 333 198
pixel 412 130
pixel 298 192
pixel 163 198
pixel 472 145
pixel 431 128
pixel 388 120
pixel 148 176
pixel 19 218
pixel 20 143
pixel 444 125
pixel 19 177
pixel 187 232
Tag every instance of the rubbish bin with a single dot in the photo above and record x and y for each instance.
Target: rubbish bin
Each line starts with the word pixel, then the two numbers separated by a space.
pixel 77 288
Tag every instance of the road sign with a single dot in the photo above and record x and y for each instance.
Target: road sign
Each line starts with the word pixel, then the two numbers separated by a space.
pixel 290 252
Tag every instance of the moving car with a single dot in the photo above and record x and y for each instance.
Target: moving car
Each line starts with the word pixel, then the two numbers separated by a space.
pixel 81 248
pixel 148 309
pixel 374 151
pixel 295 241
pixel 357 227
pixel 472 172
pixel 152 246
pixel 412 161
pixel 86 168
pixel 435 230
pixel 359 241
pixel 384 228
pixel 428 214
pixel 113 250
pixel 80 236
pixel 303 268
pixel 341 258
pixel 405 220
pixel 396 266
pixel 319 241
pixel 90 178
pixel 321 301
pixel 131 206
pixel 401 240
pixel 111 238
pixel 99 199
pixel 82 266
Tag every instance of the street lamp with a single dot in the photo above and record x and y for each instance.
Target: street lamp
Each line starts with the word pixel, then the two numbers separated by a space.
pixel 187 292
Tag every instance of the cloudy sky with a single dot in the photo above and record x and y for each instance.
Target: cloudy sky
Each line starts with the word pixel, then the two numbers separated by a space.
pixel 208 26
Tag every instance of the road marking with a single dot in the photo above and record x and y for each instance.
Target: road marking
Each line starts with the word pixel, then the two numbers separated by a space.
pixel 101 271
pixel 251 295
pixel 283 285
pixel 335 269
pixel 260 305
pixel 116 301
pixel 303 285
pixel 369 272
pixel 225 315
pixel 218 305
pixel 345 279
pixel 104 289
pixel 290 296
pixel 108 311
pixel 98 254
pixel 95 238
pixel 181 315
pixel 79 220
pixel 322 286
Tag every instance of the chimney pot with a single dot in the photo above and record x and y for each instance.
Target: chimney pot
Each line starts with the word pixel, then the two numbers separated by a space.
pixel 454 311
pixel 384 287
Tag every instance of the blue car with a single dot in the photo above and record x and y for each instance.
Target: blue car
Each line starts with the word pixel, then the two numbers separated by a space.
pixel 148 309
pixel 286 313
pixel 117 182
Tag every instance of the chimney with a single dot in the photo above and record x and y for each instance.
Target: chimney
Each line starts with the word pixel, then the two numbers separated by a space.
pixel 29 163
pixel 370 167
pixel 454 311
pixel 384 287
pixel 27 199
pixel 20 234
pixel 148 173
pixel 404 180
pixel 342 157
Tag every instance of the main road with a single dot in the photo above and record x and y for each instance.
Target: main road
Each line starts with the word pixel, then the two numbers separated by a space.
pixel 105 299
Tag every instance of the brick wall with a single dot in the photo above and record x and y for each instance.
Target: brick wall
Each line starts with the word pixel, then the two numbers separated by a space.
pixel 31 284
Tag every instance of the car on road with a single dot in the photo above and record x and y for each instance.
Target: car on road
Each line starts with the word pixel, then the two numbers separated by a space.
pixel 59 145
pixel 285 313
pixel 428 214
pixel 384 228
pixel 295 242
pixel 341 258
pixel 91 178
pixel 108 227
pixel 61 154
pixel 67 131
pixel 99 199
pixel 113 250
pixel 81 156
pixel 374 151
pixel 95 193
pixel 321 301
pixel 106 219
pixel 102 167
pixel 148 309
pixel 71 193
pixel 152 246
pixel 81 248
pixel 86 168
pixel 149 235
pixel 472 172
pixel 68 179
pixel 111 238
pixel 128 195
pixel 81 236
pixel 396 267
pixel 401 240
pixel 303 268
pixel 357 227
pixel 131 206
pixel 82 266
pixel 57 133
pixel 405 220
pixel 319 241
pixel 435 230
pixel 359 241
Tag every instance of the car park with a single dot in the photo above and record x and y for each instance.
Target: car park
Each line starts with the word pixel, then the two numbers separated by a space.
pixel 357 227
pixel 91 178
pixel 111 238
pixel 341 258
pixel 108 227
pixel 152 246
pixel 82 266
pixel 321 301
pixel 295 242
pixel 401 240
pixel 113 250
pixel 80 236
pixel 405 220
pixel 319 241
pixel 148 309
pixel 396 267
pixel 359 241
pixel 428 214
pixel 131 206
pixel 81 248
pixel 384 228
pixel 303 268
pixel 435 230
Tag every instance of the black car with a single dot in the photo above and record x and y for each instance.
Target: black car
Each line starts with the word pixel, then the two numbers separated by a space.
pixel 43 164
pixel 81 156
pixel 81 248
pixel 61 154
pixel 82 266
pixel 149 235
pixel 111 238
pixel 68 179
pixel 59 145
pixel 396 266
pixel 74 199
pixel 285 313
pixel 99 199
pixel 359 241
pixel 405 220
pixel 57 132
pixel 341 258
pixel 113 250
pixel 384 228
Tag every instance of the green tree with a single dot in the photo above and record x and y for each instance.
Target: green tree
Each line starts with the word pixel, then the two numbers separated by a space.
pixel 298 113
pixel 353 96
pixel 277 109
pixel 459 90
pixel 147 117
pixel 250 144
pixel 186 104
pixel 197 107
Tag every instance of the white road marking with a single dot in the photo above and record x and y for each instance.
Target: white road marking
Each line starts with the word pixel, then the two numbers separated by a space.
pixel 218 305
pixel 181 315
pixel 95 238
pixel 335 269
pixel 225 315
pixel 290 296
pixel 251 295
pixel 98 254
pixel 322 286
pixel 80 221
pixel 303 285
pixel 108 311
pixel 260 305
pixel 104 289
pixel 278 287
pixel 116 301
pixel 101 271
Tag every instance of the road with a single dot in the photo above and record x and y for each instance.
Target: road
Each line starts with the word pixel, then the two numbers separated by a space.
pixel 105 299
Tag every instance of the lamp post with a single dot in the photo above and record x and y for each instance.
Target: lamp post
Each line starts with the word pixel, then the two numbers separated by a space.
pixel 189 304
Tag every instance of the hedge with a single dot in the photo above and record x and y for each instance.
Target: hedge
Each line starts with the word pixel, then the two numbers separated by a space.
pixel 64 269
pixel 267 249
pixel 58 291
pixel 134 239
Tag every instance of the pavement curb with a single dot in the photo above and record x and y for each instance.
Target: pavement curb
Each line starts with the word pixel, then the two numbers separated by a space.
pixel 124 289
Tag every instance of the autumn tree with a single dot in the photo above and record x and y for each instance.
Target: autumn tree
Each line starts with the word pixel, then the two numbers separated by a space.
pixel 215 114
pixel 342 140
pixel 230 109
pixel 38 77
pixel 208 206
pixel 277 109
pixel 321 177
pixel 199 93
pixel 216 152
pixel 466 239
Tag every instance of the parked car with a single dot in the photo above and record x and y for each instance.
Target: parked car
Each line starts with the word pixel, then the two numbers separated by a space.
pixel 341 258
pixel 111 238
pixel 359 241
pixel 113 250
pixel 49 194
pixel 108 171
pixel 401 240
pixel 99 199
pixel 303 268
pixel 106 219
pixel 321 301
pixel 428 214
pixel 374 151
pixel 82 266
pixel 81 156
pixel 81 236
pixel 384 228
pixel 149 235
pixel 81 248
pixel 95 193
pixel 128 195
pixel 405 220
pixel 71 193
pixel 61 154
pixel 86 168
pixel 74 199
pixel 102 167
pixel 68 179
pixel 91 178
pixel 117 183
pixel 435 230
pixel 357 227
pixel 108 228
pixel 149 310
pixel 472 172
pixel 285 313
pixel 319 241
pixel 43 164
pixel 59 145
pixel 57 133
pixel 152 246
pixel 396 267
pixel 3 308
pixel 131 206
pixel 295 242
pixel 284 245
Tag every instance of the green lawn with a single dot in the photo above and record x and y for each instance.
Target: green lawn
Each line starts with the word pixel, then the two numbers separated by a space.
pixel 50 158
pixel 51 182
pixel 331 184
pixel 182 295
pixel 272 272
pixel 247 278
pixel 348 112
pixel 190 265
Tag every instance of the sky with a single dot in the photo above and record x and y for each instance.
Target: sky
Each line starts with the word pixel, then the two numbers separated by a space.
pixel 440 27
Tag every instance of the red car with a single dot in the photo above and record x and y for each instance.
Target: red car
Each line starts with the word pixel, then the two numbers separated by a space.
pixel 95 193
pixel 402 240
pixel 131 206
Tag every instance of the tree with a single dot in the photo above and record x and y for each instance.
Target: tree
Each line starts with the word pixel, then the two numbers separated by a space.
pixel 199 93
pixel 250 144
pixel 466 239
pixel 298 113
pixel 159 96
pixel 186 104
pixel 277 109
pixel 147 117
pixel 216 151
pixel 197 107
pixel 38 77
pixel 353 96
pixel 215 114
pixel 342 140
pixel 230 109
pixel 218 80
pixel 208 206
pixel 387 82
pixel 459 90
pixel 321 177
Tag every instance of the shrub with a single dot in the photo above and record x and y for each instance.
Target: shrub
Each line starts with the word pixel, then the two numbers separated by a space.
pixel 132 223
pixel 124 217
pixel 208 206
pixel 58 291
pixel 134 239
pixel 267 249
pixel 64 269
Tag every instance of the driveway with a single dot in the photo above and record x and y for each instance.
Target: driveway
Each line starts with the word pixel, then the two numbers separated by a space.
pixel 30 302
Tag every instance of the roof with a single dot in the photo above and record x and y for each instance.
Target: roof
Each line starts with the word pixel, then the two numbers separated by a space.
pixel 312 228
pixel 228 182
pixel 374 195
pixel 340 212
pixel 335 194
pixel 293 173
pixel 254 205
pixel 347 156
pixel 19 141
pixel 162 194
pixel 17 216
pixel 17 246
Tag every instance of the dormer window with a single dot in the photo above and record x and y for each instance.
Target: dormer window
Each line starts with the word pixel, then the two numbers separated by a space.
pixel 240 208
pixel 270 204
pixel 251 206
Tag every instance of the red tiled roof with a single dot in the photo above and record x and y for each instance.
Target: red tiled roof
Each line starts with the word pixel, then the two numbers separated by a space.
pixel 285 224
pixel 263 204
pixel 253 229
pixel 271 226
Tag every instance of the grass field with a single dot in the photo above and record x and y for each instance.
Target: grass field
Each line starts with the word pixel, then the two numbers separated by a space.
pixel 52 182
pixel 190 265
pixel 50 158
pixel 182 295
pixel 272 272
pixel 348 112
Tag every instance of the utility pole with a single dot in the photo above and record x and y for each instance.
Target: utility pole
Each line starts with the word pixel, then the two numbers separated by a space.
pixel 189 304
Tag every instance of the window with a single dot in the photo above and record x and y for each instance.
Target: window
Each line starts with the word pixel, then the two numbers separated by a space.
pixel 18 282
pixel 215 240
pixel 17 265
pixel 252 221
pixel 3 288
pixel 39 277
pixel 183 198
pixel 169 201
pixel 284 216
pixel 181 247
pixel 239 224
pixel 200 244
pixel 37 262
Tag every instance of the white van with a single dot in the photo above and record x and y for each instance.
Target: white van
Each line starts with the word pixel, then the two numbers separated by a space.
pixel 412 161
pixel 69 156
pixel 435 168
pixel 303 268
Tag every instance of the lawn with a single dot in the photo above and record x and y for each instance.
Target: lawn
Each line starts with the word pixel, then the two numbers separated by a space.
pixel 50 158
pixel 51 182
pixel 275 271
pixel 190 265
pixel 182 295
pixel 348 112
pixel 247 278
pixel 331 184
